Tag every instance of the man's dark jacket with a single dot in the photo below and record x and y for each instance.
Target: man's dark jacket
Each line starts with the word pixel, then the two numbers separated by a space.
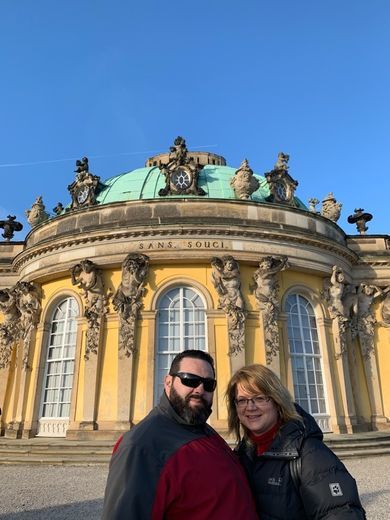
pixel 165 468
pixel 325 490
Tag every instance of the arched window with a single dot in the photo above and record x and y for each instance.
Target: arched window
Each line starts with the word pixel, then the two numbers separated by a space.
pixel 59 370
pixel 181 325
pixel 306 362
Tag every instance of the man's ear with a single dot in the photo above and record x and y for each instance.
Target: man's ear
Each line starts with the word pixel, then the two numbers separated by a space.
pixel 168 383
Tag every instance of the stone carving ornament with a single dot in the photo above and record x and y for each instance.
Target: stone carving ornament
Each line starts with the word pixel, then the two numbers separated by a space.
pixel 181 172
pixel 312 204
pixel 88 277
pixel 366 296
pixel 226 280
pixel 331 209
pixel 360 218
pixel 386 307
pixel 58 209
pixel 21 307
pixel 266 291
pixel 10 226
pixel 335 287
pixel 29 304
pixel 244 182
pixel 282 186
pixel 336 294
pixel 83 189
pixel 127 300
pixel 353 308
pixel 37 214
pixel 9 327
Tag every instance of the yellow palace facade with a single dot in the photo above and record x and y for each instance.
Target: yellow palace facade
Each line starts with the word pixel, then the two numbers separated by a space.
pixel 188 252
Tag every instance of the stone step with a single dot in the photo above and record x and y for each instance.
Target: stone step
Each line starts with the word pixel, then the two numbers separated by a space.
pixel 357 445
pixel 357 454
pixel 55 460
pixel 61 451
pixel 103 459
pixel 55 453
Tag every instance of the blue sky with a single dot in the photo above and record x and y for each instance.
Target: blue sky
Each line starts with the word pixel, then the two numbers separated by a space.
pixel 119 80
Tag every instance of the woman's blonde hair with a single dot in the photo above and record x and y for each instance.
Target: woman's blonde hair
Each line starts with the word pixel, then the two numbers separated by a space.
pixel 258 379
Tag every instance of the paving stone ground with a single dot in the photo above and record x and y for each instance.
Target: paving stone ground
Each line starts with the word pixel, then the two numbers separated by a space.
pixel 75 492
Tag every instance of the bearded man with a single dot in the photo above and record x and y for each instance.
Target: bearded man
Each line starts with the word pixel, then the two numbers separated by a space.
pixel 173 465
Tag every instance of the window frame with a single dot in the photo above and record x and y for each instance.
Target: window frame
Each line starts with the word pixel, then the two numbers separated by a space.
pixel 170 353
pixel 321 417
pixel 70 300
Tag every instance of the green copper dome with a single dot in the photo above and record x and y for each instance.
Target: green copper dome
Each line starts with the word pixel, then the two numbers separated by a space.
pixel 145 183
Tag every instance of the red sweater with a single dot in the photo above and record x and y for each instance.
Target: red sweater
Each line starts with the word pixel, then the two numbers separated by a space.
pixel 264 441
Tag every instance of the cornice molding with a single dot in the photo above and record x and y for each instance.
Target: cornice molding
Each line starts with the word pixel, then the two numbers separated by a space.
pixel 288 237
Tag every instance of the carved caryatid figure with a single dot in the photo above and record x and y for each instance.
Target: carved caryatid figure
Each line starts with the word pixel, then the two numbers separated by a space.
pixel 226 277
pixel 334 291
pixel 366 296
pixel 267 286
pixel 127 300
pixel 88 278
pixel 8 306
pixel 386 307
pixel 29 304
pixel 340 299
pixel 9 326
pixel 37 214
pixel 266 292
pixel 226 280
pixel 244 183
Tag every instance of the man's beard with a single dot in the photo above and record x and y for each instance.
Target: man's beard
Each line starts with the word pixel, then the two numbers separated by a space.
pixel 195 415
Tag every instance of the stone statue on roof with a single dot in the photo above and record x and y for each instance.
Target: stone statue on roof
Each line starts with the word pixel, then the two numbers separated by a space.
pixel 244 182
pixel 83 189
pixel 10 226
pixel 331 208
pixel 37 214
pixel 181 172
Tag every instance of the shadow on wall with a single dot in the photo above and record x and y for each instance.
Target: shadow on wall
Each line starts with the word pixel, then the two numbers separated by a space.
pixel 88 510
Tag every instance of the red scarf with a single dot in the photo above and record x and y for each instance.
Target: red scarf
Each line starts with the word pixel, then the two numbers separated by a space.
pixel 264 440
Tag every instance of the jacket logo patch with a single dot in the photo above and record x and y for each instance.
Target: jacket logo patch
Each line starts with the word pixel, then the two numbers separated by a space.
pixel 272 481
pixel 335 489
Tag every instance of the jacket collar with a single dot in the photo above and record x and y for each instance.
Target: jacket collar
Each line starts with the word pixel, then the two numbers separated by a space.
pixel 166 408
pixel 288 441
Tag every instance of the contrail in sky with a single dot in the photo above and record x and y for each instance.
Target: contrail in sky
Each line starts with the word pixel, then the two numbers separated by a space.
pixel 11 165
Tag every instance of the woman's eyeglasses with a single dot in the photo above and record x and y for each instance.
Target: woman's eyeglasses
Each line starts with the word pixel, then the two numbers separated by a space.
pixel 258 400
pixel 193 381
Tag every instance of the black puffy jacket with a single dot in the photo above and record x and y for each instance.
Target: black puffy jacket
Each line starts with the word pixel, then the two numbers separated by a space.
pixel 326 490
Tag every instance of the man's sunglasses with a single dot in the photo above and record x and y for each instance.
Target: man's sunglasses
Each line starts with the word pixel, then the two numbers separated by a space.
pixel 193 381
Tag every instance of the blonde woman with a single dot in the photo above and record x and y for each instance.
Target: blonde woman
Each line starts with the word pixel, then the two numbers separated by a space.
pixel 293 474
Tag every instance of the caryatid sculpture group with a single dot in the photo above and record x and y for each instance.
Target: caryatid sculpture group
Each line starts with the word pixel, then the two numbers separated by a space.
pixel 226 280
pixel 89 279
pixel 21 308
pixel 127 300
pixel 266 291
